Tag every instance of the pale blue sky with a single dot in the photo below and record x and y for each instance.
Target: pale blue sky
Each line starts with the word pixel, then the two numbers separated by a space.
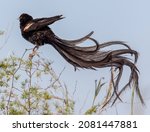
pixel 126 20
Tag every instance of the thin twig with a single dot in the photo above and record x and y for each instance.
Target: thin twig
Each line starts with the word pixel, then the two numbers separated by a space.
pixel 132 100
pixel 29 91
pixel 56 78
pixel 12 83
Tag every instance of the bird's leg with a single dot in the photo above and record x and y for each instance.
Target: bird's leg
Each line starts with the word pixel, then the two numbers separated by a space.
pixel 35 48
pixel 34 52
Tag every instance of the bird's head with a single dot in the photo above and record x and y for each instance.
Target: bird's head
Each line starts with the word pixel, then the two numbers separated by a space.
pixel 24 18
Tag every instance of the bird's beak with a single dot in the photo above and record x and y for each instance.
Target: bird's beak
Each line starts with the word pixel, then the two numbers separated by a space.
pixel 62 17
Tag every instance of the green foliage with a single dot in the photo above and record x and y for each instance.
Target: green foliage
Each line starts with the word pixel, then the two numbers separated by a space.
pixel 31 87
pixel 92 110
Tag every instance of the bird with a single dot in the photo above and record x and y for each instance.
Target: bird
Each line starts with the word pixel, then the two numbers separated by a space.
pixel 38 32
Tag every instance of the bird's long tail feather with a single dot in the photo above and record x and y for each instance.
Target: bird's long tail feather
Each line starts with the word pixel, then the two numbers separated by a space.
pixel 93 57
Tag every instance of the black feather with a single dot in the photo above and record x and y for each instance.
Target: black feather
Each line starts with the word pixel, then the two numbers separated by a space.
pixel 38 33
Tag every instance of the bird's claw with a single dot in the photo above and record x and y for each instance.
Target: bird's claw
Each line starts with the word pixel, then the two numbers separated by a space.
pixel 35 48
pixel 34 52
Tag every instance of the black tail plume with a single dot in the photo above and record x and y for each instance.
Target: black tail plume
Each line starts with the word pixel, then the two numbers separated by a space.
pixel 92 57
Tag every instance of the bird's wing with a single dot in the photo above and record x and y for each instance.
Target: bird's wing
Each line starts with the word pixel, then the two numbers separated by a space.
pixel 37 24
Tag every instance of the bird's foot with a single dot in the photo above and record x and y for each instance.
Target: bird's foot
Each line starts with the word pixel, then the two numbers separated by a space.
pixel 35 48
pixel 34 52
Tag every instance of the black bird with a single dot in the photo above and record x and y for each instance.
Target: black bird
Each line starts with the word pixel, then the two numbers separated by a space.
pixel 38 33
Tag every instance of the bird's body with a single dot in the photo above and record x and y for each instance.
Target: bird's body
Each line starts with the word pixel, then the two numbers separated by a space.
pixel 38 33
pixel 37 30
